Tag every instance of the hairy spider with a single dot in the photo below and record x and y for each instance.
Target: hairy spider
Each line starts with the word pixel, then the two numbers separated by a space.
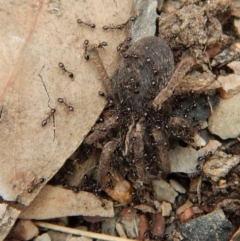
pixel 135 136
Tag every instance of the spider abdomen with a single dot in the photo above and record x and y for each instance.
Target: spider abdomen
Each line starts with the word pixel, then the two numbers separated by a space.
pixel 145 70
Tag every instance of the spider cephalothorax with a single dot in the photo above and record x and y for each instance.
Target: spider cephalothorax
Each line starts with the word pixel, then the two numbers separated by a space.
pixel 135 136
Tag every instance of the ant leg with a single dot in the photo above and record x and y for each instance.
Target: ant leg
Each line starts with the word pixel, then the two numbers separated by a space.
pixel 184 66
pixel 106 81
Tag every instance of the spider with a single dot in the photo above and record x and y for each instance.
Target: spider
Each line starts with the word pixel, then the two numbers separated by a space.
pixel 135 136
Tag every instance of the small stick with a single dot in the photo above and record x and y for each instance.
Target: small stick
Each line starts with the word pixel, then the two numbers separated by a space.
pixel 80 232
pixel 184 66
pixel 102 71
pixel 199 185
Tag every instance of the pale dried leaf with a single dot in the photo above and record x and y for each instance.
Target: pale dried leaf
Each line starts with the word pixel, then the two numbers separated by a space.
pixel 35 37
pixel 8 216
pixel 54 201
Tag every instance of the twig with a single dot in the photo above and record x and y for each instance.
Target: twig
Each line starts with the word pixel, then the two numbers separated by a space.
pixel 80 232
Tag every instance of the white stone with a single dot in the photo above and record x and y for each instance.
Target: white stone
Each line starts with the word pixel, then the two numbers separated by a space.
pixel 225 119
pixel 166 209
pixel 178 187
pixel 164 191
pixel 43 237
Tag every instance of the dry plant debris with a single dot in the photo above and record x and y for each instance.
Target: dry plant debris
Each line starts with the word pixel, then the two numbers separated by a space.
pixel 151 153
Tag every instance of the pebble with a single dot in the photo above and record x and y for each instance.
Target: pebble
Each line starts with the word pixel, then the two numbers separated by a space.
pixel 236 23
pixel 24 230
pixel 183 159
pixel 178 187
pixel 43 237
pixel 189 213
pixel 235 8
pixel 184 207
pixel 166 209
pixel 146 21
pixel 213 226
pixel 225 119
pixel 230 84
pixel 227 55
pixel 164 191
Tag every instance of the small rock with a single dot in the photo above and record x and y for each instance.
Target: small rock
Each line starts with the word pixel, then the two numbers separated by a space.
pixel 24 230
pixel 230 84
pixel 235 66
pixel 109 226
pixel 143 226
pixel 166 209
pixel 213 226
pixel 57 236
pixel 219 166
pixel 235 8
pixel 227 55
pixel 236 23
pixel 120 230
pixel 130 221
pixel 163 191
pixel 122 191
pixel 146 20
pixel 157 226
pixel 145 208
pixel 185 206
pixel 225 119
pixel 43 237
pixel 189 213
pixel 183 159
pixel 178 187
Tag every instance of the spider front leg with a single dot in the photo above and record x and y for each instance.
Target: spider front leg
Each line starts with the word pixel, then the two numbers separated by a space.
pixel 181 129
pixel 101 131
pixel 106 81
pixel 184 66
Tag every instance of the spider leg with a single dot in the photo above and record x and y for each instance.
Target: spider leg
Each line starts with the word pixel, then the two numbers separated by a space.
pixel 183 130
pixel 101 130
pixel 104 176
pixel 184 66
pixel 163 149
pixel 106 81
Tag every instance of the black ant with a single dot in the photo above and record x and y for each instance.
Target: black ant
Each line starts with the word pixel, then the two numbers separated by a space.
pixel 120 46
pixel 75 189
pixel 40 181
pixel 1 111
pixel 120 26
pixel 61 100
pixel 85 45
pixel 92 25
pixel 102 45
pixel 61 65
pixel 52 112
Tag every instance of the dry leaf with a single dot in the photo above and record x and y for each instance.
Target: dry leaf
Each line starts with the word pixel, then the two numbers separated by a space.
pixel 54 201
pixel 35 37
